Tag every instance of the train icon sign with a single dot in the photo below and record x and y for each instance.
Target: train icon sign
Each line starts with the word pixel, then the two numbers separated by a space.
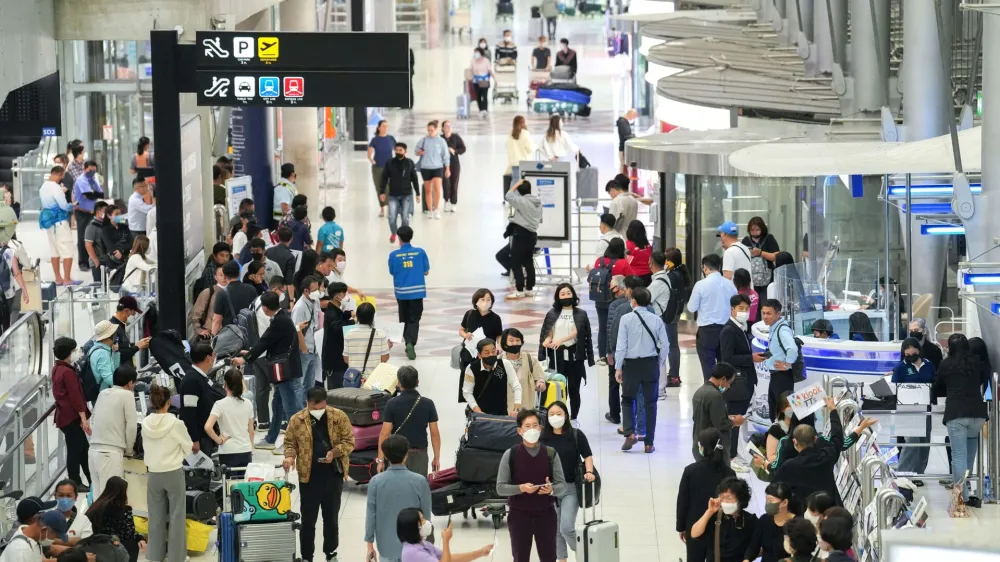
pixel 294 87
pixel 268 87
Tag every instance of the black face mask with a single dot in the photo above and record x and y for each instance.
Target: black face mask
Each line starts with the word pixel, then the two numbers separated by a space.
pixel 911 358
pixel 563 303
pixel 258 256
pixel 917 335
pixel 513 348
pixel 400 156
pixel 490 361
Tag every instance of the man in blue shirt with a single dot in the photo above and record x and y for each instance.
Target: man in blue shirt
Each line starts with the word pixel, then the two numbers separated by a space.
pixel 408 266
pixel 86 192
pixel 641 349
pixel 331 235
pixel 783 352
pixel 710 299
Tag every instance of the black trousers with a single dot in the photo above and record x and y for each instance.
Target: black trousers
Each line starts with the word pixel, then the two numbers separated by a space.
pixel 482 97
pixel 614 394
pixel 697 549
pixel 450 185
pixel 550 23
pixel 82 220
pixel 522 258
pixel 781 382
pixel 410 312
pixel 503 257
pixel 574 371
pixel 636 374
pixel 262 391
pixel 674 359
pixel 707 342
pixel 77 448
pixel 236 460
pixel 602 330
pixel 736 407
pixel 321 492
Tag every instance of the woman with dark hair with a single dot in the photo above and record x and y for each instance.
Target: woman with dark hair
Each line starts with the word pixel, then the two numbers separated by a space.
pixel 110 514
pixel 978 348
pixel 768 540
pixel 307 267
pixel 860 327
pixel 481 69
pixel 914 369
pixel 556 144
pixel 823 329
pixel 481 316
pixel 456 146
pixel 253 275
pixel 530 373
pixel 698 484
pixel 234 414
pixel 638 249
pixel 143 157
pixel 413 530
pixel 800 540
pixel 573 448
pixel 736 525
pixel 763 253
pixel 783 425
pixel 816 505
pixel 929 349
pixel 615 257
pixel 960 379
pixel 566 341
pixel 680 279
pixel 741 278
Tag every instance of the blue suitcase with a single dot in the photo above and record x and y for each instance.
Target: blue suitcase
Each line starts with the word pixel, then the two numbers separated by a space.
pixel 227 538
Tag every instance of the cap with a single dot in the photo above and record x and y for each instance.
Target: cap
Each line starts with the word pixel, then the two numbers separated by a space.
pixel 55 522
pixel 32 506
pixel 729 227
pixel 104 330
pixel 128 303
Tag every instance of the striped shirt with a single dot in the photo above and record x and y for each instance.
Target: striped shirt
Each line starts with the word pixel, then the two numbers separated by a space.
pixel 356 344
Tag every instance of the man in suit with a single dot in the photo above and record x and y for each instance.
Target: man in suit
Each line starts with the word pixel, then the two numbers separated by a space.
pixel 735 349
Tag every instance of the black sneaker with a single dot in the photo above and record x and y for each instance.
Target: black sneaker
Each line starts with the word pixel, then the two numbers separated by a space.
pixel 974 501
pixel 82 489
pixel 673 383
pixel 263 426
pixel 284 426
pixel 331 557
pixel 612 419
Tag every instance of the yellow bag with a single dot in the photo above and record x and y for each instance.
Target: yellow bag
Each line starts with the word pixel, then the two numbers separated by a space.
pixel 382 378
pixel 198 534
pixel 367 299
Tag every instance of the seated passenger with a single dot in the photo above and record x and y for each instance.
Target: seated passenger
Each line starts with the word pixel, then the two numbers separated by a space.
pixel 861 327
pixel 822 329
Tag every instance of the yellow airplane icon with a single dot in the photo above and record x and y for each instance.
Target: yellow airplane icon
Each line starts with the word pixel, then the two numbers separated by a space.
pixel 267 48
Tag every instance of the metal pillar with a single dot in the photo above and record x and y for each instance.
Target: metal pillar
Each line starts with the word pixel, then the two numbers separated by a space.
pixel 300 124
pixel 796 10
pixel 830 49
pixel 869 59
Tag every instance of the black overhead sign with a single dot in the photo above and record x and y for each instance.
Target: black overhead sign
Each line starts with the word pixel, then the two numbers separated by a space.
pixel 302 69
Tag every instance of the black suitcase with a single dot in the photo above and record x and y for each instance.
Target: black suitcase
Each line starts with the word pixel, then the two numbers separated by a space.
pixel 505 8
pixel 201 506
pixel 362 467
pixel 459 497
pixel 364 407
pixel 536 12
pixel 492 433
pixel 477 466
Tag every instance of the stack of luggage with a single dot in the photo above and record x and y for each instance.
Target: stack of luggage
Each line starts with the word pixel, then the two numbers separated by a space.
pixel 536 80
pixel 260 525
pixel 473 480
pixel 364 407
pixel 563 98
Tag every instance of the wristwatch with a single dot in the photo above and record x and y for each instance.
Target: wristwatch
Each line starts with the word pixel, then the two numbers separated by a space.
pixel 380 461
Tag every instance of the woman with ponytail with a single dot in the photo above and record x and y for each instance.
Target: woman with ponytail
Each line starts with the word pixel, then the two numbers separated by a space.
pixel 698 485
pixel 234 416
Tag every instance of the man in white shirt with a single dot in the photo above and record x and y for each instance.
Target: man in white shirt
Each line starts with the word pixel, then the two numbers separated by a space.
pixel 306 309
pixel 608 233
pixel 79 524
pixel 25 544
pixel 114 426
pixel 624 207
pixel 54 218
pixel 735 255
pixel 140 203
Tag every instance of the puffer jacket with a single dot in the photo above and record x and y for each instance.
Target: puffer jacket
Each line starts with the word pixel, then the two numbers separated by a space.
pixel 299 440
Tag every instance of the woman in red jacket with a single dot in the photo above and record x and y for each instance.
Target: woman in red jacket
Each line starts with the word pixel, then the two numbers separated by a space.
pixel 615 255
pixel 639 250
pixel 71 409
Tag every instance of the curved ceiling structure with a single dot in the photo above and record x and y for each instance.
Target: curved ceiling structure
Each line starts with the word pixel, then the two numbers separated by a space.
pixel 729 28
pixel 698 52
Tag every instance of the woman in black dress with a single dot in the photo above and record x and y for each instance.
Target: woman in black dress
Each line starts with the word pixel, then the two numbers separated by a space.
pixel 456 147
pixel 769 537
pixel 738 525
pixel 697 487
pixel 110 514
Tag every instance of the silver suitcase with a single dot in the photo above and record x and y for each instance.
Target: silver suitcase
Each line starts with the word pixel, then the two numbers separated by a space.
pixel 267 542
pixel 596 540
pixel 587 184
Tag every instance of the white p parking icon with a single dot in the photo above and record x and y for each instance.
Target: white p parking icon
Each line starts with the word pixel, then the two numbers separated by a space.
pixel 243 47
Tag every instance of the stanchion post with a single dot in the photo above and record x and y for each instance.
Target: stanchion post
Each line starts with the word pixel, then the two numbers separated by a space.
pixel 868 466
pixel 883 502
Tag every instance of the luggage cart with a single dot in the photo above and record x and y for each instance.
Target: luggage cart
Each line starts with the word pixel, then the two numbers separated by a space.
pixel 460 20
pixel 495 508
pixel 537 78
pixel 505 11
pixel 505 73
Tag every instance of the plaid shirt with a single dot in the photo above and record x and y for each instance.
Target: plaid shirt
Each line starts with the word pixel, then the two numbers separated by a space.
pixel 75 170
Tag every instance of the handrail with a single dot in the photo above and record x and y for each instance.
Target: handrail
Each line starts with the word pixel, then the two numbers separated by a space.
pixel 28 432
pixel 34 320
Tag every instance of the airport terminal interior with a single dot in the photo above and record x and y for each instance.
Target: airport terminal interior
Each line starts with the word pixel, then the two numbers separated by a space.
pixel 803 113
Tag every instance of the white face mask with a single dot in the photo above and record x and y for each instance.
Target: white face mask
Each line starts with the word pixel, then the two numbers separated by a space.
pixel 788 414
pixel 317 414
pixel 742 317
pixel 476 56
pixel 557 421
pixel 76 356
pixel 426 528
pixel 730 508
pixel 812 518
pixel 482 45
pixel 484 305
pixel 315 296
pixel 531 435
pixel 342 266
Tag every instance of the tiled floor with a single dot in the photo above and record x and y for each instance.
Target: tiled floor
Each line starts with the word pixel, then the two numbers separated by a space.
pixel 639 489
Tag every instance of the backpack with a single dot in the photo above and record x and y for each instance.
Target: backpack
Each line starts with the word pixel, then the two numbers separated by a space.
pixel 247 319
pixel 91 386
pixel 799 367
pixel 675 284
pixel 6 275
pixel 232 338
pixel 760 273
pixel 106 548
pixel 599 280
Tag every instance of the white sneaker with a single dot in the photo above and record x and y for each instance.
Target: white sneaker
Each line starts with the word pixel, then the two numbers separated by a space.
pixel 264 445
pixel 602 362
pixel 515 295
pixel 451 209
pixel 447 207
pixel 437 214
pixel 530 293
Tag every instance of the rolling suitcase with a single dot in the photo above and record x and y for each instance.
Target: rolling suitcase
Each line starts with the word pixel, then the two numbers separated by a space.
pixel 362 466
pixel 492 433
pixel 256 502
pixel 226 537
pixel 459 497
pixel 366 438
pixel 597 540
pixel 462 106
pixel 477 465
pixel 267 542
pixel 442 478
pixel 363 407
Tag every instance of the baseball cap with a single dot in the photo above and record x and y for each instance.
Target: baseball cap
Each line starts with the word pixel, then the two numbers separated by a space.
pixel 32 506
pixel 729 227
pixel 128 303
pixel 55 522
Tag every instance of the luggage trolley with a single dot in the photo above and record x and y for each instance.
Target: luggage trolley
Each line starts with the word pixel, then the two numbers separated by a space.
pixel 505 11
pixel 505 73
pixel 537 79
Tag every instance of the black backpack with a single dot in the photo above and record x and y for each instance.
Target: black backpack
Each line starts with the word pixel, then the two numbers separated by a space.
pixel 91 386
pixel 799 366
pixel 106 548
pixel 675 283
pixel 599 280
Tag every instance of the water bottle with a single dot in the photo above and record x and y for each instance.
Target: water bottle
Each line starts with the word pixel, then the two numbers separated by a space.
pixel 987 488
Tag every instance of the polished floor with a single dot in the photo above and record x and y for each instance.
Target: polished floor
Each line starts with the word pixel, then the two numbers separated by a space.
pixel 639 489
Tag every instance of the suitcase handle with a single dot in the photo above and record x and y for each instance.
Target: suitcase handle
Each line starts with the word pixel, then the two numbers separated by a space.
pixel 593 494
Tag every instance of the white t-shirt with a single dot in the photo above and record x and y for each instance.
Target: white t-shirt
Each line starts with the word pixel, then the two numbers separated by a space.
pixel 307 310
pixel 234 415
pixel 736 257
pixel 564 327
pixel 21 549
pixel 51 194
pixel 81 527
pixel 625 209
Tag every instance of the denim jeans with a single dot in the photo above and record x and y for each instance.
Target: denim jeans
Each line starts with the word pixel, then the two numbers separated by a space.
pixel 640 413
pixel 287 401
pixel 399 205
pixel 309 362
pixel 964 434
pixel 566 511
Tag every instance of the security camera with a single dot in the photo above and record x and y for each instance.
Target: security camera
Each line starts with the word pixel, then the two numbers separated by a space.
pixel 179 29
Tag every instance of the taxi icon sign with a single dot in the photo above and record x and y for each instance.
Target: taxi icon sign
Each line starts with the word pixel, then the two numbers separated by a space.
pixel 267 48
pixel 294 87
pixel 268 87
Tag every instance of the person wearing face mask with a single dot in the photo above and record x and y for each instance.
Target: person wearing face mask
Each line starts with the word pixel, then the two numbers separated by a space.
pixel 506 50
pixel 573 448
pixel 399 185
pixel 334 320
pixel 412 530
pixel 736 350
pixel 36 531
pixel 72 414
pixel 92 242
pixel 54 218
pixel 258 254
pixel 640 350
pixel 198 395
pixel 66 495
pixel 816 505
pixel 166 444
pixel 481 316
pixel 621 288
pixel 737 525
pixel 566 341
pixel 530 373
pixel 822 329
pixel 117 241
pixel 929 350
pixel 482 71
pixel 913 369
pixel 485 380
pixel 698 484
pixel 103 355
pixel 812 468
pixel 86 192
pixel 485 47
pixel 318 444
pixel 253 275
pixel 394 489
pixel 710 299
pixel 566 57
pixel 709 408
pixel 836 535
pixel 127 308
pixel 200 317
pixel 456 146
pixel 531 477
pixel 306 311
pixel 768 541
pixel 800 540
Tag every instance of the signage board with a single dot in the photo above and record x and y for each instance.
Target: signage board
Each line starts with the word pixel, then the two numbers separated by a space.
pixel 304 51
pixel 238 189
pixel 807 401
pixel 303 88
pixel 191 188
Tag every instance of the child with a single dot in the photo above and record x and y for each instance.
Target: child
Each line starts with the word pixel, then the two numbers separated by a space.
pixel 330 236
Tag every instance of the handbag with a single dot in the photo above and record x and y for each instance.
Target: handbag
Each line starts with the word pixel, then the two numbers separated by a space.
pixel 352 377
pixel 277 367
pixel 460 356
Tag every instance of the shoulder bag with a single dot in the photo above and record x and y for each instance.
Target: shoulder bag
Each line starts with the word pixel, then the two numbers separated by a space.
pixel 460 356
pixel 407 418
pixel 352 377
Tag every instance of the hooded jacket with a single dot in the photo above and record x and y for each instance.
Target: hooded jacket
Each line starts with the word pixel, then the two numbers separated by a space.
pixel 527 209
pixel 165 442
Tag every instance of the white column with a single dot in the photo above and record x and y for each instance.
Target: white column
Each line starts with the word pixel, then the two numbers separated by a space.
pixel 300 125
pixel 870 77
